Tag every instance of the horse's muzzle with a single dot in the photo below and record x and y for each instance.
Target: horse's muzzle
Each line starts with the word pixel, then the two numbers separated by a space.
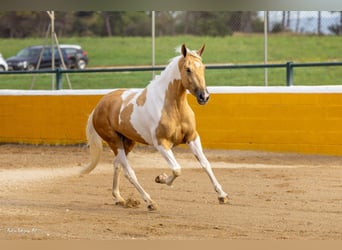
pixel 202 96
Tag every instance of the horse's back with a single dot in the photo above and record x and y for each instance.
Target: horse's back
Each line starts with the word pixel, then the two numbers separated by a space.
pixel 113 113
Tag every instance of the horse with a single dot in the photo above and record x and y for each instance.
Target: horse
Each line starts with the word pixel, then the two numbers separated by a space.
pixel 158 115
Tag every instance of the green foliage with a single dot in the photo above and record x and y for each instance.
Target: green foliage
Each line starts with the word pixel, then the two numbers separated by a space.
pixel 23 24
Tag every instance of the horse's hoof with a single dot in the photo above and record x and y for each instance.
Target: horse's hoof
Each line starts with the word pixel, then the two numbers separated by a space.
pixel 161 178
pixel 223 200
pixel 120 203
pixel 152 207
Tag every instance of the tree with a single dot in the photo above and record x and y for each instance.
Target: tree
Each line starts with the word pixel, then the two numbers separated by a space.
pixel 165 23
pixel 219 23
pixel 23 24
pixel 340 28
pixel 336 28
pixel 107 16
pixel 319 23
pixel 297 21
pixel 288 20
pixel 137 23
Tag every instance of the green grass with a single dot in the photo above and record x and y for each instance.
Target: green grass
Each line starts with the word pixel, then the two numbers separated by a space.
pixel 239 49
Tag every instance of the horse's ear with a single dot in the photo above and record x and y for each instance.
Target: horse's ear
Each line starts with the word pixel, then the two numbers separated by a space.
pixel 184 50
pixel 200 51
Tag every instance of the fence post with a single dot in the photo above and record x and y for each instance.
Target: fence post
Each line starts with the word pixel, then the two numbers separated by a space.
pixel 289 73
pixel 58 79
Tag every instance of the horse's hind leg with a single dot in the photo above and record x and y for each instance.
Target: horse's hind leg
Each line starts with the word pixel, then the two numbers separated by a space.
pixel 116 183
pixel 128 145
pixel 116 178
pixel 121 146
pixel 130 175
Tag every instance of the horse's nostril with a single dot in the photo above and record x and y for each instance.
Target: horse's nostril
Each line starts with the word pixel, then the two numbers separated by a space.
pixel 202 97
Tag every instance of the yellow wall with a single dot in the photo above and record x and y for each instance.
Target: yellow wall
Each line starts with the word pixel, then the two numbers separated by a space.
pixel 290 122
pixel 43 119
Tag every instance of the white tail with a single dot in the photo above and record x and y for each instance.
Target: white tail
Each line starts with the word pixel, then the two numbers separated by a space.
pixel 95 146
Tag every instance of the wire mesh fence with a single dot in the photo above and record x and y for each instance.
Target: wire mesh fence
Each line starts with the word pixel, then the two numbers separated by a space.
pixel 306 22
pixel 300 22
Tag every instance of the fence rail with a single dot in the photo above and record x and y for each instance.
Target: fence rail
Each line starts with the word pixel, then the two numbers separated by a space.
pixel 289 66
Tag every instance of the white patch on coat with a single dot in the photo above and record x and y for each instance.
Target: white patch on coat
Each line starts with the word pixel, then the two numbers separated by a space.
pixel 145 119
pixel 124 96
pixel 197 64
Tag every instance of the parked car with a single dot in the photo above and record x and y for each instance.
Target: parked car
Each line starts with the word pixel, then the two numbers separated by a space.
pixel 28 58
pixel 3 64
pixel 77 57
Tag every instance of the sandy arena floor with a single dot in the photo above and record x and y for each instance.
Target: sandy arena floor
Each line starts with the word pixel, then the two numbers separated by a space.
pixel 272 196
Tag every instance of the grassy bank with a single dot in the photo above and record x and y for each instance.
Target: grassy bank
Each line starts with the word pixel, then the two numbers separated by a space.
pixel 238 49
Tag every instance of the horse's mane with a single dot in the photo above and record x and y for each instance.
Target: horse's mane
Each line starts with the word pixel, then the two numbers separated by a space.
pixel 175 59
pixel 178 50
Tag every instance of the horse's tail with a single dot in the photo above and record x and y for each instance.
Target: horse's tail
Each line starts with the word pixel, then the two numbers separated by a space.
pixel 95 146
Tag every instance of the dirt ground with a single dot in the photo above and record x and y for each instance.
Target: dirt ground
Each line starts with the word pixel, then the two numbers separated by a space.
pixel 272 196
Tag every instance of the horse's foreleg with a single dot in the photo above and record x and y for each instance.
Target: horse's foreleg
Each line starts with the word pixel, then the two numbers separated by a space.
pixel 130 175
pixel 176 169
pixel 196 148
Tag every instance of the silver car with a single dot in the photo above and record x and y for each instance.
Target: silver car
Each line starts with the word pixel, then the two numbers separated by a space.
pixel 3 64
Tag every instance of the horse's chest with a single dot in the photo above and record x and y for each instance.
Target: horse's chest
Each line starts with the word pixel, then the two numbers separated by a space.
pixel 181 133
pixel 176 128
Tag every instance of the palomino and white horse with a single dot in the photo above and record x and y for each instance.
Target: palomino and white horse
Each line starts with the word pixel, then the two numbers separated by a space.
pixel 157 115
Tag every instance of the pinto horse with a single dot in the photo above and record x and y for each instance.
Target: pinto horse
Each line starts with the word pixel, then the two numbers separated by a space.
pixel 157 115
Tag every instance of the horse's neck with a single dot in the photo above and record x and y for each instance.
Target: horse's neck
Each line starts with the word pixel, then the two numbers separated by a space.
pixel 168 84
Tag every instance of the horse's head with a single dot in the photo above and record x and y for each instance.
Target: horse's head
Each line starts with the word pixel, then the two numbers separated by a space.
pixel 192 74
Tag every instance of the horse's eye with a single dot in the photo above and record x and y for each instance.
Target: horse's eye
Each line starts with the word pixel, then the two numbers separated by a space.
pixel 188 70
